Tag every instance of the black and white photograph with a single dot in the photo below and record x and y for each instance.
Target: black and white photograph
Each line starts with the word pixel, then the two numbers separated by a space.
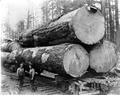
pixel 59 47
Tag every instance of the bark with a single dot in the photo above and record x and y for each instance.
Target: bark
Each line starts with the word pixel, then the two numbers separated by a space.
pixel 103 58
pixel 4 60
pixel 4 56
pixel 117 25
pixel 64 59
pixel 84 25
pixel 10 46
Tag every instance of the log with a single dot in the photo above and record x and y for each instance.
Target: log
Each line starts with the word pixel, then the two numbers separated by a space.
pixel 84 25
pixel 10 46
pixel 4 56
pixel 103 57
pixel 64 59
pixel 4 59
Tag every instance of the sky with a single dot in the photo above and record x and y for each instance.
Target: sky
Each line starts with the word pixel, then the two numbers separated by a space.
pixel 16 10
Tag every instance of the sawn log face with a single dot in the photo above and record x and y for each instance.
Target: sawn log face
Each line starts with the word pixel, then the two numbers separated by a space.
pixel 103 57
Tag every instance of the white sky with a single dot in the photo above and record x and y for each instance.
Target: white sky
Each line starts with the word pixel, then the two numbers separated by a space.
pixel 15 10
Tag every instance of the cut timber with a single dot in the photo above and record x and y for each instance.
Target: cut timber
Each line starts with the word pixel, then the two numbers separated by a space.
pixel 4 56
pixel 89 26
pixel 103 58
pixel 10 46
pixel 84 25
pixel 64 59
pixel 4 59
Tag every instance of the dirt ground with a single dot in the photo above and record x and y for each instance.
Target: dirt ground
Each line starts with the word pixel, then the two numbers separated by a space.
pixel 45 86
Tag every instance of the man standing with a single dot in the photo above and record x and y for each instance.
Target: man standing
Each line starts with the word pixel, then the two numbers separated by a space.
pixel 32 77
pixel 21 75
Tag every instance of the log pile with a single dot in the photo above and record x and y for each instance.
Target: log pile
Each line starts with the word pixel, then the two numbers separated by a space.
pixel 67 46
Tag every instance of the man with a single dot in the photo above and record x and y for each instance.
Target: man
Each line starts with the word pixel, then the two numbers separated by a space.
pixel 20 74
pixel 32 77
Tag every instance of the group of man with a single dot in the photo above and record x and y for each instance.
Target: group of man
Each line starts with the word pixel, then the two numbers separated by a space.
pixel 21 75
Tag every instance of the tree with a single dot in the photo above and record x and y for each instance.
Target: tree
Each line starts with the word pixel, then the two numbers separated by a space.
pixel 117 25
pixel 55 8
pixel 29 16
pixel 20 26
pixel 9 32
pixel 45 12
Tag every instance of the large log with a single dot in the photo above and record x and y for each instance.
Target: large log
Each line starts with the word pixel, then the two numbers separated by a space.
pixel 84 25
pixel 10 46
pixel 4 56
pixel 103 58
pixel 65 59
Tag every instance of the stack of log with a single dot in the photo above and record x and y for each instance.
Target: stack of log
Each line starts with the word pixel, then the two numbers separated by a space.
pixel 67 46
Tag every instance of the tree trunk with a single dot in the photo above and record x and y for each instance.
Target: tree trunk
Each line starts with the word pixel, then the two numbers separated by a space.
pixel 4 56
pixel 4 59
pixel 103 58
pixel 64 59
pixel 10 46
pixel 84 25
pixel 117 25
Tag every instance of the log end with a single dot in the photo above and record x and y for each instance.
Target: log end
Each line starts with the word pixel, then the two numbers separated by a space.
pixel 3 56
pixel 76 61
pixel 88 24
pixel 103 58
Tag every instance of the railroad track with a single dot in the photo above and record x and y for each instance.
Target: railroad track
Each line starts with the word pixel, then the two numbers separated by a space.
pixel 47 86
pixel 44 86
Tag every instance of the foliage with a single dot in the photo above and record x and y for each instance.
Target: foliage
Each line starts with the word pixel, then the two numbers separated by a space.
pixel 20 26
pixel 11 33
pixel 54 8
